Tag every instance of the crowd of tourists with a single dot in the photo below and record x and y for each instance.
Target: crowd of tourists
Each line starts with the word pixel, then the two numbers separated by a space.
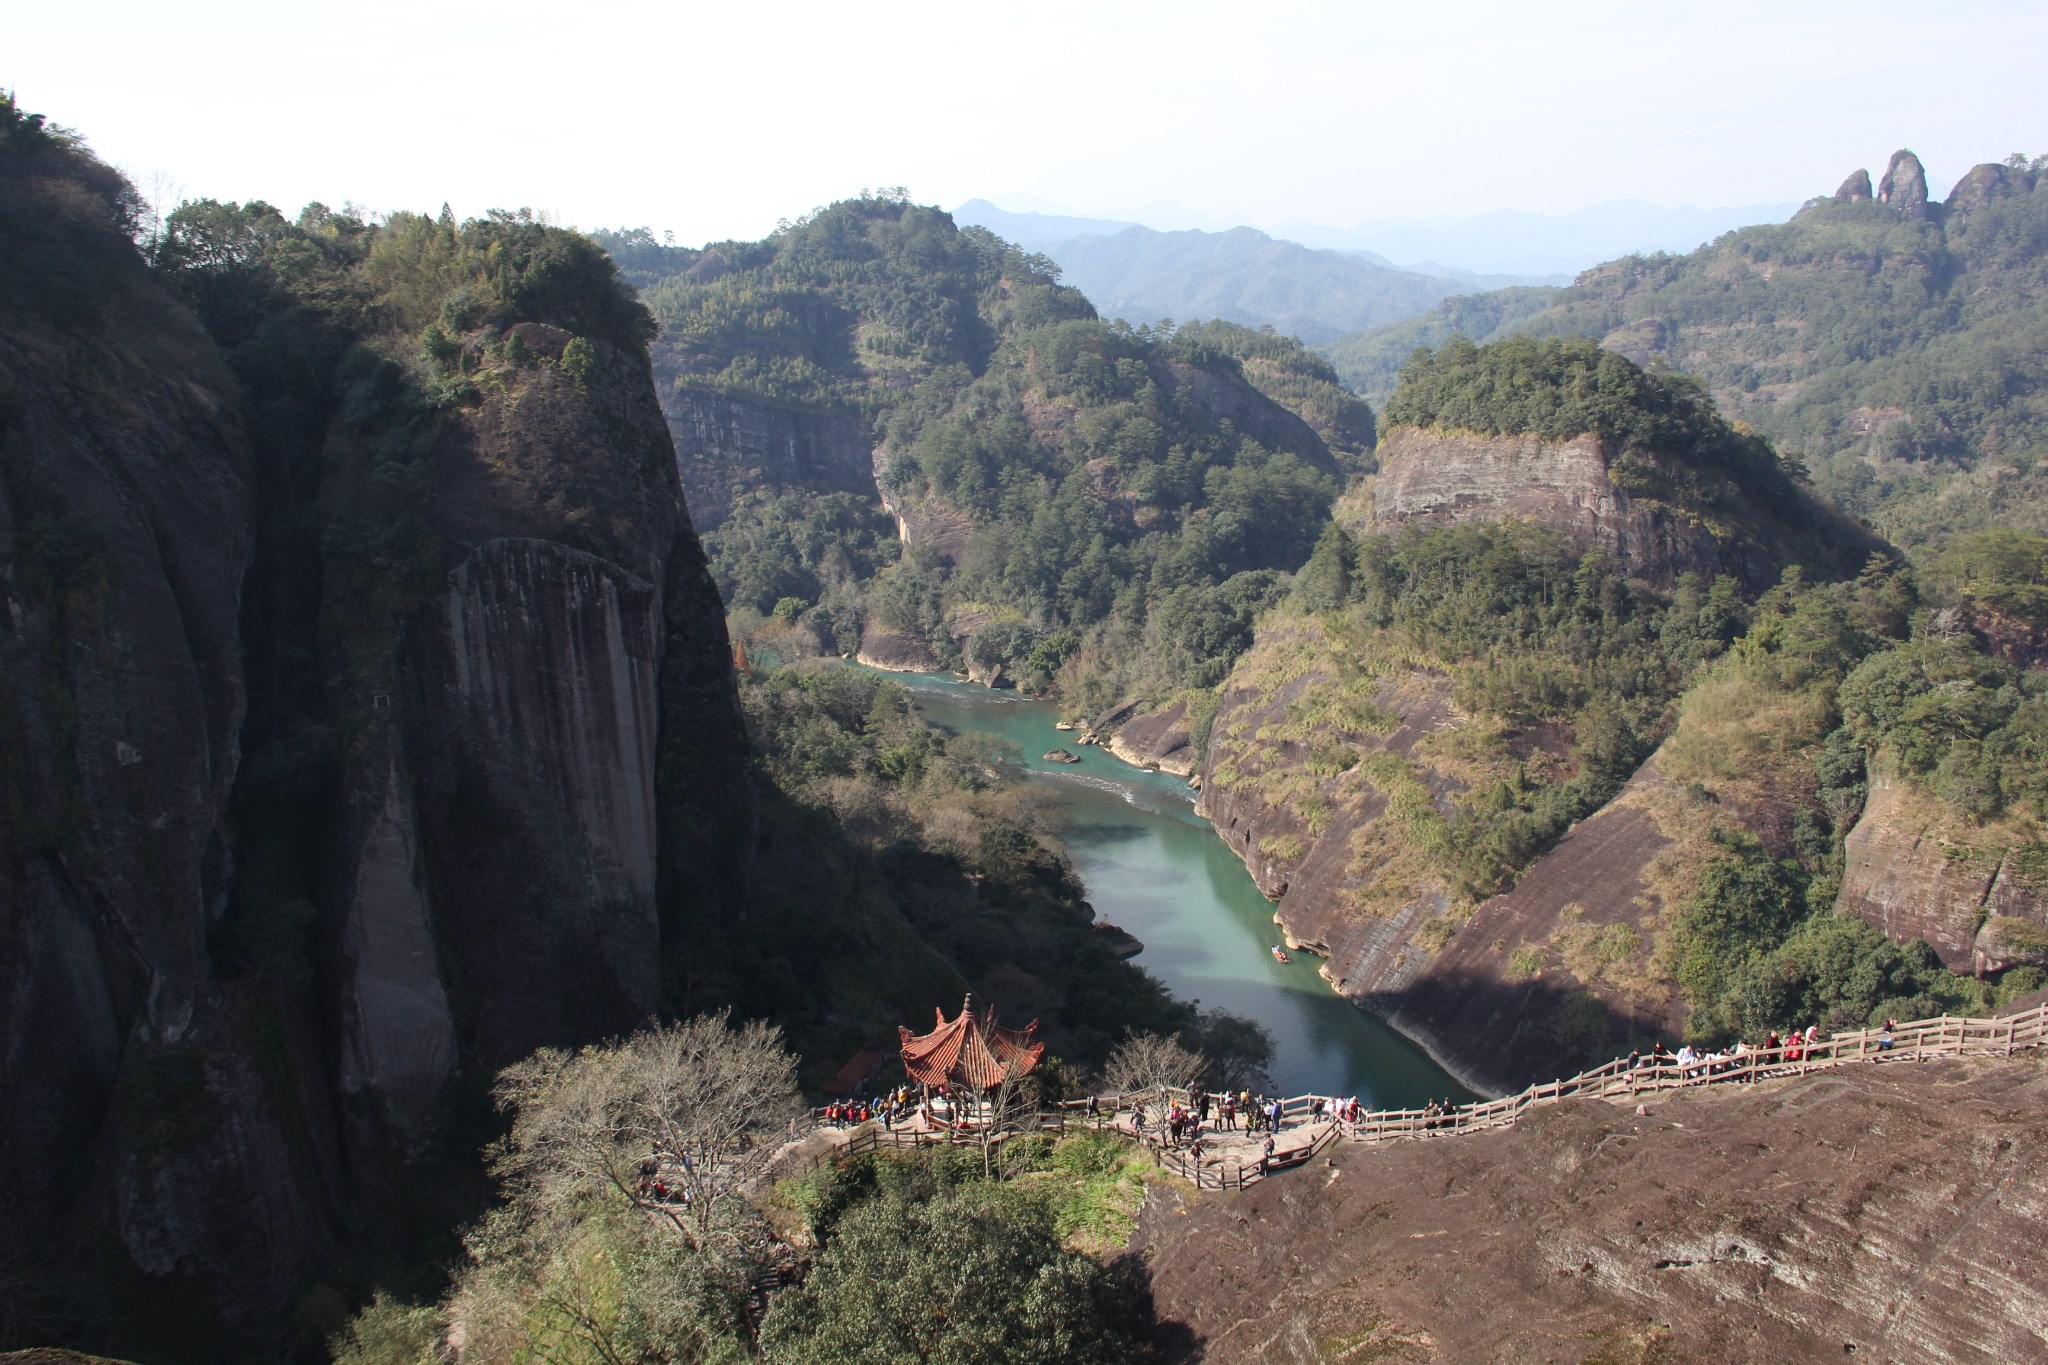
pixel 1794 1045
pixel 891 1107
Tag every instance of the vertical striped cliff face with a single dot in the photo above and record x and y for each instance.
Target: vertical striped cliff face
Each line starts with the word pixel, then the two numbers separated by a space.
pixel 537 783
pixel 508 844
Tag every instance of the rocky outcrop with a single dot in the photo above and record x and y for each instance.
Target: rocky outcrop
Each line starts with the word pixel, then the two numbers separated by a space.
pixel 1148 738
pixel 1295 829
pixel 1855 189
pixel 547 711
pixel 1701 520
pixel 1433 478
pixel 530 785
pixel 1520 988
pixel 728 446
pixel 895 651
pixel 1876 1212
pixel 1904 186
pixel 1981 186
pixel 928 524
pixel 1907 876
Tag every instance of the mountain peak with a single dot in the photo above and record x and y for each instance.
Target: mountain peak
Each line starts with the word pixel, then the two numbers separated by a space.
pixel 1904 186
pixel 1855 189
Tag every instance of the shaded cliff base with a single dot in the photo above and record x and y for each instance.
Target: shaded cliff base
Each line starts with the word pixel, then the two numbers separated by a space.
pixel 1883 1215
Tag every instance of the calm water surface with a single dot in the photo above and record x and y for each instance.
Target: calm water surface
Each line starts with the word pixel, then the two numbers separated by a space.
pixel 1153 866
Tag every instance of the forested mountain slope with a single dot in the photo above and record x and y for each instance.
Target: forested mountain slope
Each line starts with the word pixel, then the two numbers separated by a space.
pixel 1891 343
pixel 1552 748
pixel 1061 491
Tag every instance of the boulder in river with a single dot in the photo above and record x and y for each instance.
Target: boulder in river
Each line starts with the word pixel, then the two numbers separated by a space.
pixel 1061 756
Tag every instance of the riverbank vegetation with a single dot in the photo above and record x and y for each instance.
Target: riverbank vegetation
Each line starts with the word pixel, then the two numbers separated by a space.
pixel 904 866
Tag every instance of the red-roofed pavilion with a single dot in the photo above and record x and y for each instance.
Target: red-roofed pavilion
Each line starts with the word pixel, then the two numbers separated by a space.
pixel 971 1053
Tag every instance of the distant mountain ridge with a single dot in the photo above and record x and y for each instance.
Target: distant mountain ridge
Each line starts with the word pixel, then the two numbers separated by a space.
pixel 1242 276
pixel 1531 246
pixel 1320 283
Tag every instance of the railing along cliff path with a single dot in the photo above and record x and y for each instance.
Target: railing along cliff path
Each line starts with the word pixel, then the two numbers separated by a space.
pixel 1233 1163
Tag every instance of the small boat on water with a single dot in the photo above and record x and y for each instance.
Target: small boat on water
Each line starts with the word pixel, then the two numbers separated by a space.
pixel 1280 954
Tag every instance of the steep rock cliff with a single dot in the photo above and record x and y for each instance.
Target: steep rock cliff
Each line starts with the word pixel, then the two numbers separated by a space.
pixel 1441 478
pixel 499 781
pixel 729 446
pixel 529 707
pixel 1577 488
pixel 136 1120
pixel 1912 872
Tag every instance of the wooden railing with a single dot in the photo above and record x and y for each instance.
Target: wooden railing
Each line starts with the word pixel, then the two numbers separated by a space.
pixel 1945 1036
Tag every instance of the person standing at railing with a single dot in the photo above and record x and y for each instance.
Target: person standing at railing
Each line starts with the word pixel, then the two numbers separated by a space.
pixel 1885 1040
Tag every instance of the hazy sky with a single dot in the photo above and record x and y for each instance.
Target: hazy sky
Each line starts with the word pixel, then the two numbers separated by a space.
pixel 713 120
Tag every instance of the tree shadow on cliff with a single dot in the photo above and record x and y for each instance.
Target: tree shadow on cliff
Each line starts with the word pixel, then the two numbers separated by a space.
pixel 1173 1342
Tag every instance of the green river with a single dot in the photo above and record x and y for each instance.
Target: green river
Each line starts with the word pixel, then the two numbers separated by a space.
pixel 1155 868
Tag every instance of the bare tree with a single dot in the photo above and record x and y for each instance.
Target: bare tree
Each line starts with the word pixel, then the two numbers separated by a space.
pixel 1009 1108
pixel 706 1102
pixel 1148 1063
pixel 161 194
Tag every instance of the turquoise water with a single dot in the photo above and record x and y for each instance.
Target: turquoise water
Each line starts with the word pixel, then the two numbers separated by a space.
pixel 1154 867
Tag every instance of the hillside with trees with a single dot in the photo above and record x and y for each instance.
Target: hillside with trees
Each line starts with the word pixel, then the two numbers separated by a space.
pixel 1891 344
pixel 1054 491
pixel 1440 699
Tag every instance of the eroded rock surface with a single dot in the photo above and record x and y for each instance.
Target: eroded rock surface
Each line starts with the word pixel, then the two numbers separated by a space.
pixel 1882 1213
pixel 1905 878
pixel 1432 478
pixel 727 446
pixel 1149 738
pixel 1904 186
